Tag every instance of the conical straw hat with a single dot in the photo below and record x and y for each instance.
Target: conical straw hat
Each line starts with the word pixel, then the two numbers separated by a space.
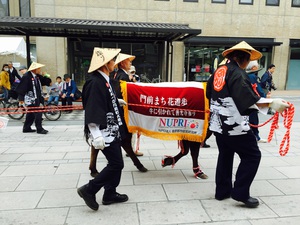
pixel 34 66
pixel 244 46
pixel 101 56
pixel 121 57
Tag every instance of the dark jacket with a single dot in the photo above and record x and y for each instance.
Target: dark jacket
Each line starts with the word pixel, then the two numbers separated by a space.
pixel 26 85
pixel 121 75
pixel 97 102
pixel 69 88
pixel 13 75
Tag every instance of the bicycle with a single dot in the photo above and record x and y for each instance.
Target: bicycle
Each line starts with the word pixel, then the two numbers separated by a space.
pixel 2 105
pixel 51 111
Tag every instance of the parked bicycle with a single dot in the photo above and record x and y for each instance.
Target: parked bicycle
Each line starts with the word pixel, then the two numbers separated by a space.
pixel 17 112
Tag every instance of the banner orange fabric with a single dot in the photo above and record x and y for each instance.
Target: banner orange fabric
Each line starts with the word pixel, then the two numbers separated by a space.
pixel 167 111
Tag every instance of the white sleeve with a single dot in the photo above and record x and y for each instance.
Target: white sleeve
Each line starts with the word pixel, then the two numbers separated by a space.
pixel 264 110
pixel 95 130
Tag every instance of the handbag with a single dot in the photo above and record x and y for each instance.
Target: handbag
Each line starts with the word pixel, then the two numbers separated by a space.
pixel 77 94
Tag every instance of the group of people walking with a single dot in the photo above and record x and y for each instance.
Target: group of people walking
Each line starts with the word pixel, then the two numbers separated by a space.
pixel 232 99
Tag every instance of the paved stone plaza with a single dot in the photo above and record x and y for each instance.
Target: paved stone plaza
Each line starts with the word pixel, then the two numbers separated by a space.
pixel 39 175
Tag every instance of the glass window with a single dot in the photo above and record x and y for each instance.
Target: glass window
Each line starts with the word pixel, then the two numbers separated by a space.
pixel 201 62
pixel 4 8
pixel 25 8
pixel 296 3
pixel 190 0
pixel 272 2
pixel 218 1
pixel 246 2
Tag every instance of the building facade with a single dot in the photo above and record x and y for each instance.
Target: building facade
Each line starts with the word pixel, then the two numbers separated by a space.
pixel 272 26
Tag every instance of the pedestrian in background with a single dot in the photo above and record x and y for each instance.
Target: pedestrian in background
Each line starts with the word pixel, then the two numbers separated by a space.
pixel 4 82
pixel 252 70
pixel 68 92
pixel 266 80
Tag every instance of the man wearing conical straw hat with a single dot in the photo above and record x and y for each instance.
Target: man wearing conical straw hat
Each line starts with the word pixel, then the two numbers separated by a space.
pixel 30 95
pixel 103 127
pixel 123 63
pixel 232 99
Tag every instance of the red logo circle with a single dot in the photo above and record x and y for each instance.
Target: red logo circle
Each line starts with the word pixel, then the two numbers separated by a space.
pixel 219 78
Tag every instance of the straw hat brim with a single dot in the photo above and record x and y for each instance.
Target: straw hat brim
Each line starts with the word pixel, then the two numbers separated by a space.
pixel 121 57
pixel 244 46
pixel 35 66
pixel 101 56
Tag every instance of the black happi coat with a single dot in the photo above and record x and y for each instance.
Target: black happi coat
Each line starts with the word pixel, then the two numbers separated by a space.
pixel 26 85
pixel 230 98
pixel 121 75
pixel 97 102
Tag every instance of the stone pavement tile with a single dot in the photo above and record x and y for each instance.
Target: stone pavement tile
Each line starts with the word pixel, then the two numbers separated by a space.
pixel 77 155
pixel 208 163
pixel 264 188
pixel 290 171
pixel 41 156
pixel 61 198
pixel 12 143
pixel 283 205
pixel 232 210
pixel 264 173
pixel 292 160
pixel 272 161
pixel 48 182
pixel 126 178
pixel 172 212
pixel 160 152
pixel 55 216
pixel 236 222
pixel 159 177
pixel 3 149
pixel 80 143
pixel 9 157
pixel 29 149
pixel 20 200
pixel 116 214
pixel 27 170
pixel 68 149
pixel 287 186
pixel 190 191
pixel 43 143
pixel 143 193
pixel 9 183
pixel 277 221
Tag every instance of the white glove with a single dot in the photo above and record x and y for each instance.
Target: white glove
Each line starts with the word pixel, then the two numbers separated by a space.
pixel 121 102
pixel 279 105
pixel 99 143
